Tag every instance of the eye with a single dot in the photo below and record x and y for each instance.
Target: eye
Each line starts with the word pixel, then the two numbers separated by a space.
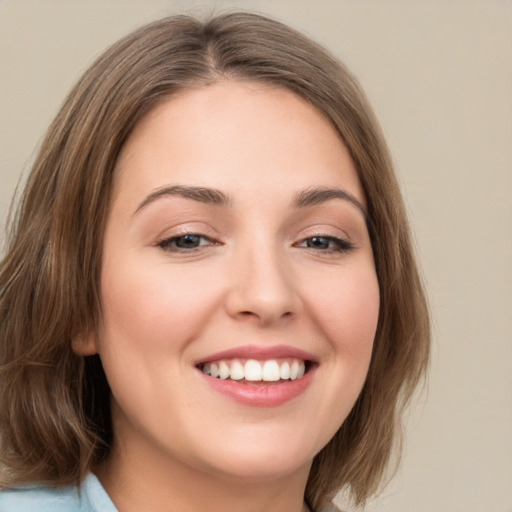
pixel 326 244
pixel 185 243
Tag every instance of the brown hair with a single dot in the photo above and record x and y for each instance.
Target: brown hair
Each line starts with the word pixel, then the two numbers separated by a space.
pixel 54 405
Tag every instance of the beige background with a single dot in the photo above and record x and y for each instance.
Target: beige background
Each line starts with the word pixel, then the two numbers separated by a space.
pixel 439 75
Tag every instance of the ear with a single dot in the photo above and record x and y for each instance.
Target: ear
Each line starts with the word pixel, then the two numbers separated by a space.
pixel 84 345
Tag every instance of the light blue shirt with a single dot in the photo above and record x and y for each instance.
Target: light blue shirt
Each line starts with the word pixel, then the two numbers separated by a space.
pixel 89 497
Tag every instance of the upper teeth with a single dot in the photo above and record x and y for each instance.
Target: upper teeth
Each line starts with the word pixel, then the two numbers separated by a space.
pixel 270 370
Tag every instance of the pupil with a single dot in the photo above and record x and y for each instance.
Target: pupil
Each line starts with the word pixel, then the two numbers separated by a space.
pixel 319 242
pixel 187 241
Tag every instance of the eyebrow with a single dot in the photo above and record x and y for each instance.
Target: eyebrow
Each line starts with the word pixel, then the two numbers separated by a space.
pixel 303 198
pixel 201 194
pixel 315 196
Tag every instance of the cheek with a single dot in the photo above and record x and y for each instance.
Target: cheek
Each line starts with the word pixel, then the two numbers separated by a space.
pixel 152 313
pixel 154 304
pixel 346 308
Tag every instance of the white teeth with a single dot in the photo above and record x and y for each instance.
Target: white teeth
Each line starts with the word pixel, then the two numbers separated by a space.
pixel 252 370
pixel 271 370
pixel 237 370
pixel 223 370
pixel 214 370
pixel 294 370
pixel 285 370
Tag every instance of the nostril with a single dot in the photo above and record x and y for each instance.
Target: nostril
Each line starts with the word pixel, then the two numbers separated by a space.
pixel 264 317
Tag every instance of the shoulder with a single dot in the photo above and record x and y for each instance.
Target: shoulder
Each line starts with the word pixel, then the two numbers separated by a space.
pixel 89 497
pixel 38 498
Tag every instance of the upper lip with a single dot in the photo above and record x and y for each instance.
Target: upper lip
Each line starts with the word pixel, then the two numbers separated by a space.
pixel 258 352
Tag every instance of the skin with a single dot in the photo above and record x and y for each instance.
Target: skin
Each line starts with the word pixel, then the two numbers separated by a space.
pixel 254 280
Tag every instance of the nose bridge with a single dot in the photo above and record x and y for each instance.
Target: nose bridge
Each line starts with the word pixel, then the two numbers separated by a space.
pixel 262 285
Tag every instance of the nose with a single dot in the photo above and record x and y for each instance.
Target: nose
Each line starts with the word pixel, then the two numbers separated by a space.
pixel 262 288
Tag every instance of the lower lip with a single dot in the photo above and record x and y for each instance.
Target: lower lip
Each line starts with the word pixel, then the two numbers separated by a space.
pixel 260 395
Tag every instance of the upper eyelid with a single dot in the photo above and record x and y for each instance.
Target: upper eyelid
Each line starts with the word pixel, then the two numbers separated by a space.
pixel 328 231
pixel 187 233
pixel 337 239
pixel 323 235
pixel 294 234
pixel 178 231
pixel 168 245
pixel 202 234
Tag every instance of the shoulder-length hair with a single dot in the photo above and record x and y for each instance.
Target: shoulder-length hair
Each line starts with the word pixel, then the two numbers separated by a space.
pixel 54 405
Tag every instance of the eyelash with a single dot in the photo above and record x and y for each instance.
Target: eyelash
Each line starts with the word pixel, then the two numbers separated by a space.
pixel 340 245
pixel 167 243
pixel 337 245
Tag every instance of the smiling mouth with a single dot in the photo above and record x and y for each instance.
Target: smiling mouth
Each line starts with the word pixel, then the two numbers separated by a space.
pixel 253 371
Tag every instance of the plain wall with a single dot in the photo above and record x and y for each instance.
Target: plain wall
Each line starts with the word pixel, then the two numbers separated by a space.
pixel 439 74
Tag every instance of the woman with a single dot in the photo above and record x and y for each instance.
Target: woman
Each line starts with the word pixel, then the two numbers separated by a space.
pixel 209 301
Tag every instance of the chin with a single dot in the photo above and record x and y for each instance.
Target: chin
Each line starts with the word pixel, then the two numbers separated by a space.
pixel 260 469
pixel 262 458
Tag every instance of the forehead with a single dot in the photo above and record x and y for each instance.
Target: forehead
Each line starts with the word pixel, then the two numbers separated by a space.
pixel 236 137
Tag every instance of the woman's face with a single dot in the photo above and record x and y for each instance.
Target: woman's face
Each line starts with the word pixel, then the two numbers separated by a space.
pixel 236 246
